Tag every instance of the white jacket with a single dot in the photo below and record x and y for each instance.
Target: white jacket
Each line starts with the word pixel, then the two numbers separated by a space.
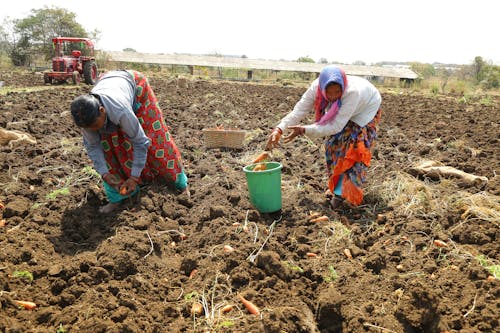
pixel 360 103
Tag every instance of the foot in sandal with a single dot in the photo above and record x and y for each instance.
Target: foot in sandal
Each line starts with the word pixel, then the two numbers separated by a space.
pixel 336 202
pixel 106 209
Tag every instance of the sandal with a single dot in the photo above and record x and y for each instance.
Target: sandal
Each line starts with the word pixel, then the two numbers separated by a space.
pixel 336 202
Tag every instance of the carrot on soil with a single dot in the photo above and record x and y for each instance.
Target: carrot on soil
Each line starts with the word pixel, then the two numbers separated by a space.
pixel 26 304
pixel 196 309
pixel 252 308
pixel 193 273
pixel 228 248
pixel 440 243
pixel 226 308
pixel 313 214
pixel 347 253
pixel 323 218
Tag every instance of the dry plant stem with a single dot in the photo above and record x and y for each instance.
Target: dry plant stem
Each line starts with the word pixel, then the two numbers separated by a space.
pixel 14 228
pixel 245 224
pixel 152 245
pixel 210 307
pixel 472 308
pixel 173 231
pixel 256 232
pixel 253 256
pixel 379 327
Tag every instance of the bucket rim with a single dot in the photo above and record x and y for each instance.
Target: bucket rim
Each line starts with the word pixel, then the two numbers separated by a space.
pixel 279 166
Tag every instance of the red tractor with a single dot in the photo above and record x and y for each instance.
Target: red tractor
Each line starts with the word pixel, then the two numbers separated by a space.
pixel 73 58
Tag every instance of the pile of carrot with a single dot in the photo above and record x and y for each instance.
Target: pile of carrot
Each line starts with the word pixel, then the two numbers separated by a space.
pixel 263 157
pixel 260 167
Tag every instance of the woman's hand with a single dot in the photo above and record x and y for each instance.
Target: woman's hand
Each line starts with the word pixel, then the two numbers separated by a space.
pixel 129 185
pixel 274 139
pixel 113 180
pixel 296 131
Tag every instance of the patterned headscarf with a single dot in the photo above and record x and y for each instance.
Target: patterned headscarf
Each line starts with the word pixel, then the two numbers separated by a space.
pixel 329 74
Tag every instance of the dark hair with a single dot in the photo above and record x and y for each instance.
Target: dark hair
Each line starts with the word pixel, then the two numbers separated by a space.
pixel 85 110
pixel 333 83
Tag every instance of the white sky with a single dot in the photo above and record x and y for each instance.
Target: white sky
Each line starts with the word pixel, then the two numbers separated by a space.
pixel 446 31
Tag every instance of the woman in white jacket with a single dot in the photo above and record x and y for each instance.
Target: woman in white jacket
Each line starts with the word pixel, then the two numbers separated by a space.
pixel 347 111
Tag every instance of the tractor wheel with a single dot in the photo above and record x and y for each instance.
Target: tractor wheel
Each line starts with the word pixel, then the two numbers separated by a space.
pixel 47 79
pixel 90 72
pixel 75 77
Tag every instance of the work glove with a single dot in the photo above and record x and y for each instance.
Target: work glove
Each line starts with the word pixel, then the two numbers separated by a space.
pixel 113 180
pixel 274 139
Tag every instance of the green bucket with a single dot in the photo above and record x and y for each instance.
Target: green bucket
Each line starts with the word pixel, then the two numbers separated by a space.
pixel 264 186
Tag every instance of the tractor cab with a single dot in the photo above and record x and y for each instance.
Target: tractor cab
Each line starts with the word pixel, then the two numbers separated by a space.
pixel 73 58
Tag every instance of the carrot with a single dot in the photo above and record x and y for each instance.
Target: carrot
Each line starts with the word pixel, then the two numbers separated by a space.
pixel 347 253
pixel 262 157
pixel 252 308
pixel 323 218
pixel 387 242
pixel 228 248
pixel 259 167
pixel 227 308
pixel 196 309
pixel 26 304
pixel 123 190
pixel 440 243
pixel 313 214
pixel 193 273
pixel 311 255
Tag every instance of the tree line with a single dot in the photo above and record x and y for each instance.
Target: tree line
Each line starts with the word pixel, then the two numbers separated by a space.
pixel 26 39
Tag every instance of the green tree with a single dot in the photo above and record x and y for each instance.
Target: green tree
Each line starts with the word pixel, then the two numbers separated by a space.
pixel 423 70
pixel 7 38
pixel 43 24
pixel 305 59
pixel 477 66
pixel 490 76
pixel 19 54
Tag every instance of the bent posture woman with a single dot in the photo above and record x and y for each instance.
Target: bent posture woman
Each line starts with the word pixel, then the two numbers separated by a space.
pixel 347 111
pixel 126 136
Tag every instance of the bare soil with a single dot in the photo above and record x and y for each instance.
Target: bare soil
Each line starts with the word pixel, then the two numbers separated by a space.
pixel 140 270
